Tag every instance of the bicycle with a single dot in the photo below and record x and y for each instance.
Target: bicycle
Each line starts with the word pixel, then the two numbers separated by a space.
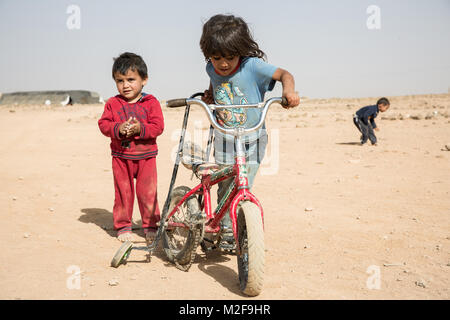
pixel 188 220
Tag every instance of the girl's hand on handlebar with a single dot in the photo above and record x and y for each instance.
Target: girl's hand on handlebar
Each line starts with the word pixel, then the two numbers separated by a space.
pixel 292 98
pixel 208 97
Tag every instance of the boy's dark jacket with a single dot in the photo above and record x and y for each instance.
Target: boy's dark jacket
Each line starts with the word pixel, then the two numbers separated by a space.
pixel 147 111
pixel 366 113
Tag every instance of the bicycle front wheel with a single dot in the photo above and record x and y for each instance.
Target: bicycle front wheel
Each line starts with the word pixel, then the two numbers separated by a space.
pixel 251 259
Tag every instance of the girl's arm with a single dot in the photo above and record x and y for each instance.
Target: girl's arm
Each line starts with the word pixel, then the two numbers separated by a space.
pixel 208 95
pixel 288 83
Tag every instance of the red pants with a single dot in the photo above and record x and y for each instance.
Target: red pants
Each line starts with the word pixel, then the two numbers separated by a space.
pixel 144 171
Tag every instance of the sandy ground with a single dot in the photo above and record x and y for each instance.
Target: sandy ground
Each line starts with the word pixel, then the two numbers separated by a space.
pixel 377 224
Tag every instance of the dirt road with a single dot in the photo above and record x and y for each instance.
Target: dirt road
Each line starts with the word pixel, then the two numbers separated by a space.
pixel 377 224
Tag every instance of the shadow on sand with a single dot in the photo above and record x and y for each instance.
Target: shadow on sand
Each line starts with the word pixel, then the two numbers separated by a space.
pixel 211 264
pixel 104 220
pixel 349 143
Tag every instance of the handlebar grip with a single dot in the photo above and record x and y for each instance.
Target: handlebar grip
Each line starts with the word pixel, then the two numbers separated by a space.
pixel 284 102
pixel 175 103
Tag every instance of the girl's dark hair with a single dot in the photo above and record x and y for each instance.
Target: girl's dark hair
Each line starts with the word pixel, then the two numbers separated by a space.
pixel 228 35
pixel 129 61
pixel 384 101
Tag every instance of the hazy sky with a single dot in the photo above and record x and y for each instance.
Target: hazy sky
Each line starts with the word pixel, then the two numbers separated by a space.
pixel 326 44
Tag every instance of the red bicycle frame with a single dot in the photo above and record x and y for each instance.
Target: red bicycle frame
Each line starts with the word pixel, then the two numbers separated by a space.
pixel 239 192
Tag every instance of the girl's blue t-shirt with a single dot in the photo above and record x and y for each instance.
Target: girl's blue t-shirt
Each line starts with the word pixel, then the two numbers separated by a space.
pixel 247 85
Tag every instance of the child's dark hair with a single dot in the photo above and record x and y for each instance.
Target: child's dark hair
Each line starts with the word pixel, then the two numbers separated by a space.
pixel 384 101
pixel 227 35
pixel 129 61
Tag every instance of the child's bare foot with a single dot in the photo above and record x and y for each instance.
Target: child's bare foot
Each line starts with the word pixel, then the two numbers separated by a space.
pixel 126 236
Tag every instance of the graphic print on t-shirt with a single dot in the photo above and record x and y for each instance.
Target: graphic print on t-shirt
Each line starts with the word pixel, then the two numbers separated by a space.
pixel 226 94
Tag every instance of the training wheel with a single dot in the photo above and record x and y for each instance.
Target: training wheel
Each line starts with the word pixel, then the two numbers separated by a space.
pixel 122 254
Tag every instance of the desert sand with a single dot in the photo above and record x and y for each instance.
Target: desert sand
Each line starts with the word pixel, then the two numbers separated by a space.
pixel 342 221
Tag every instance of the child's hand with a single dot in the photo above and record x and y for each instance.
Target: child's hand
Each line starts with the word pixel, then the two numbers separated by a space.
pixel 123 128
pixel 208 97
pixel 292 98
pixel 134 127
pixel 288 83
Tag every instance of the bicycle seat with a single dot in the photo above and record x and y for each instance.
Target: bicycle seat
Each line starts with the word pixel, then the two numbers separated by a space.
pixel 205 168
pixel 192 155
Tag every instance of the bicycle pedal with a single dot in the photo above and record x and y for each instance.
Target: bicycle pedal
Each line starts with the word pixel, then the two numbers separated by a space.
pixel 227 246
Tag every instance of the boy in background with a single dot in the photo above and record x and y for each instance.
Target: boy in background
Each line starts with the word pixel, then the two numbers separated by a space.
pixel 364 120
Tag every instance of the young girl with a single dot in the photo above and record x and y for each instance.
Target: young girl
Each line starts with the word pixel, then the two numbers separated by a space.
pixel 239 75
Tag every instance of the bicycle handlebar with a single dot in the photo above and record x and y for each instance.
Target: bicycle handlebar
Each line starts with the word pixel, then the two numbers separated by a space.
pixel 175 103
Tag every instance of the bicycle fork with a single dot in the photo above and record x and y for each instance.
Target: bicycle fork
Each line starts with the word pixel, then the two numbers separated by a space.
pixel 243 190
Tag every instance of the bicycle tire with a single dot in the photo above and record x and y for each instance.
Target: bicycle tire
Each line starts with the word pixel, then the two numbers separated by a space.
pixel 251 259
pixel 179 242
pixel 122 254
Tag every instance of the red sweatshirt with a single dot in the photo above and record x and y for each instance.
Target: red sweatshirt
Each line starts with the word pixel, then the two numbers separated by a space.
pixel 147 111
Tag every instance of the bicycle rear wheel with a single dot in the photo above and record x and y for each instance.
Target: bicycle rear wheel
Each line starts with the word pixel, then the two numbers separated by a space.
pixel 180 243
pixel 251 257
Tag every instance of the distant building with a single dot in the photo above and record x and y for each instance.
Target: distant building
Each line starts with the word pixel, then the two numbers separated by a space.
pixel 51 97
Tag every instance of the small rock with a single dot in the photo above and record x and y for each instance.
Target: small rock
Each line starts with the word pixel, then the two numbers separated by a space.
pixel 20 178
pixel 420 283
pixel 308 209
pixel 113 282
pixel 51 209
pixel 14 198
pixel 354 161
pixel 26 235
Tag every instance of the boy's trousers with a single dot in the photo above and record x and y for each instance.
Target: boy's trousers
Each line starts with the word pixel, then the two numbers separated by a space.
pixel 125 172
pixel 366 130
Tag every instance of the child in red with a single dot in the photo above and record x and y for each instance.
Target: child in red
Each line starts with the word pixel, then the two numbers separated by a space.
pixel 133 120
